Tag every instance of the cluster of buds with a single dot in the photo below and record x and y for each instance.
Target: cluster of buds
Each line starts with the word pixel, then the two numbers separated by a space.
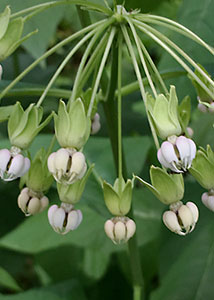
pixel 13 164
pixel 31 202
pixel 181 218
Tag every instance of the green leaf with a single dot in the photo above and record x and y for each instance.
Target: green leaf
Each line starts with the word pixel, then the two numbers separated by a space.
pixel 6 280
pixel 66 290
pixel 95 263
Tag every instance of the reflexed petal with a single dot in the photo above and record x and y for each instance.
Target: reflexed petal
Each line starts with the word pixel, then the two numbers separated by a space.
pixel 61 160
pixel 168 152
pixel 51 213
pixel 194 210
pixel 186 216
pixel 25 168
pixel 120 231
pixel 22 200
pixel 109 229
pixel 51 163
pixel 58 219
pixel 44 203
pixel 5 156
pixel 171 221
pixel 131 228
pixel 183 147
pixel 204 199
pixel 33 206
pixel 210 203
pixel 192 149
pixel 73 220
pixel 17 165
pixel 78 163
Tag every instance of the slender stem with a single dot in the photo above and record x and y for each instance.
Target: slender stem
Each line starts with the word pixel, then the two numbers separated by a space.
pixel 142 58
pixel 159 38
pixel 139 77
pixel 62 65
pixel 176 27
pixel 48 53
pixel 85 57
pixel 153 66
pixel 134 86
pixel 93 61
pixel 50 4
pixel 102 65
pixel 119 111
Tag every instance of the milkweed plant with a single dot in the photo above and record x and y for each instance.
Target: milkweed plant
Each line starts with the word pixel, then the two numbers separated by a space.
pixel 107 46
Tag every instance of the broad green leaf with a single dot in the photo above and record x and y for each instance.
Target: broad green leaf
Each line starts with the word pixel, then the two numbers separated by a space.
pixel 6 280
pixel 4 21
pixel 66 290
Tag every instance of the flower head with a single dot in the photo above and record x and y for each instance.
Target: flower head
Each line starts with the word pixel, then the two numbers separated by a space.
pixel 64 218
pixel 181 218
pixel 177 153
pixel 120 229
pixel 67 165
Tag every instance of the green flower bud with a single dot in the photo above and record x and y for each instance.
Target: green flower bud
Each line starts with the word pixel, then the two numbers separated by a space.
pixel 10 33
pixel 23 126
pixel 168 188
pixel 38 177
pixel 118 201
pixel 203 168
pixel 164 114
pixel 72 126
pixel 71 193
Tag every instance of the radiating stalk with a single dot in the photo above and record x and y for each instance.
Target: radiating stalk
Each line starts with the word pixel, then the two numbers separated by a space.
pixel 140 80
pixel 101 67
pixel 162 40
pixel 143 62
pixel 48 53
pixel 159 20
pixel 85 57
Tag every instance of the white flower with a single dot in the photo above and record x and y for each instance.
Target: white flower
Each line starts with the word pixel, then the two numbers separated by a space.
pixel 208 200
pixel 31 202
pixel 13 164
pixel 95 124
pixel 67 165
pixel 181 218
pixel 120 229
pixel 64 218
pixel 177 153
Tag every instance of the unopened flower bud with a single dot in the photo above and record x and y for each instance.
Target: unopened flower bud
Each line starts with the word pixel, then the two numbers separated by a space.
pixel 13 164
pixel 67 165
pixel 95 124
pixel 177 153
pixel 31 202
pixel 208 200
pixel 64 218
pixel 211 108
pixel 181 218
pixel 120 229
pixel 190 131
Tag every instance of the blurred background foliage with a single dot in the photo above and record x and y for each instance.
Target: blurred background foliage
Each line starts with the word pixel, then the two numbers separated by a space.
pixel 35 262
